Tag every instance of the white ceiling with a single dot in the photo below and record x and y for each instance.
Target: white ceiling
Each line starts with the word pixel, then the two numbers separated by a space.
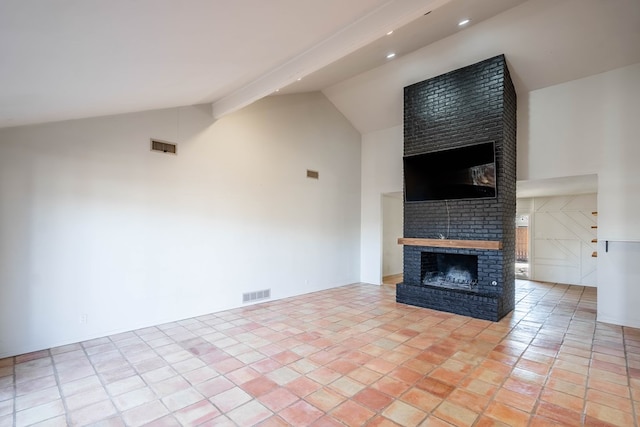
pixel 65 59
pixel 546 42
pixel 562 186
pixel 439 23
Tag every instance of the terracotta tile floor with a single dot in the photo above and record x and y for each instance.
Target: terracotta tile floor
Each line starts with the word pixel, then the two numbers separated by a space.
pixel 346 356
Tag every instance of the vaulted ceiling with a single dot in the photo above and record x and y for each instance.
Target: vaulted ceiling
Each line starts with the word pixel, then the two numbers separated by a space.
pixel 66 59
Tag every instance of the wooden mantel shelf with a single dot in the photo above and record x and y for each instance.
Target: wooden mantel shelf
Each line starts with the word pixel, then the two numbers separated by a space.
pixel 446 243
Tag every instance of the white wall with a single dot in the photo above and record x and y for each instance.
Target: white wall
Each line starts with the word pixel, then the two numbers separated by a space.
pixel 92 222
pixel 562 239
pixel 392 228
pixel 381 173
pixel 591 126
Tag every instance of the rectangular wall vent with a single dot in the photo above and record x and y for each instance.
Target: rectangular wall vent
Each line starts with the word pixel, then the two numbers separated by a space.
pixel 313 174
pixel 256 295
pixel 163 146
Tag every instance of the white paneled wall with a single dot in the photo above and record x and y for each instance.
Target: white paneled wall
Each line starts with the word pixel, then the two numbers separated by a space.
pixel 562 239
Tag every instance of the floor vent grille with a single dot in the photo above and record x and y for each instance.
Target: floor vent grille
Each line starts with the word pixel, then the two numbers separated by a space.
pixel 256 295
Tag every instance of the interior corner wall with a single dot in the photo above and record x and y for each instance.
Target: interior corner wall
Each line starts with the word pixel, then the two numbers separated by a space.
pixel 94 226
pixel 591 126
pixel 381 173
pixel 392 224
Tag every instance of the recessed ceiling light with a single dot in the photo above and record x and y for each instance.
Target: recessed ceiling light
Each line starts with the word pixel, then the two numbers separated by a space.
pixel 463 22
pixel 277 90
pixel 390 55
pixel 299 78
pixel 390 32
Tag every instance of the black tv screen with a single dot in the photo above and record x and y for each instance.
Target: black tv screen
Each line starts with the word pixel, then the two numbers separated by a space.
pixel 460 173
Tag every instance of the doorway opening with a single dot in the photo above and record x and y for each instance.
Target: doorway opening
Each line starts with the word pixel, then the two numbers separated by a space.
pixel 392 229
pixel 522 246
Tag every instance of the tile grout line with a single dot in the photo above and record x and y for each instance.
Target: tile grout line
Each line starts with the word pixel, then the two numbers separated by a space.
pixel 15 391
pixel 56 375
pixel 537 398
pixel 583 415
pixel 626 359
pixel 119 413
pixel 97 374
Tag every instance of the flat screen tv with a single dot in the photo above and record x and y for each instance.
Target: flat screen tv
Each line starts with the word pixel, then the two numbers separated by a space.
pixel 459 173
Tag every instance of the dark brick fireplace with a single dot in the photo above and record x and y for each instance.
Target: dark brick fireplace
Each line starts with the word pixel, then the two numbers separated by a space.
pixel 472 105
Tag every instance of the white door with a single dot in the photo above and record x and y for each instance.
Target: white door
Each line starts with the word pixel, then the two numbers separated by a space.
pixel 563 234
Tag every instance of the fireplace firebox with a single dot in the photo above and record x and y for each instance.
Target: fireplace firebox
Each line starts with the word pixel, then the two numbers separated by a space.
pixel 455 271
